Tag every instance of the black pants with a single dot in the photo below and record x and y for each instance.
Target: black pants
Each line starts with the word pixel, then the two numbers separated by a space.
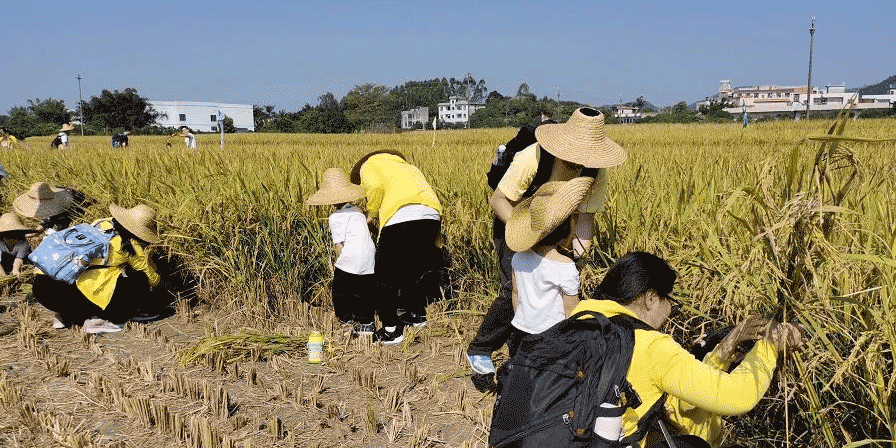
pixel 132 294
pixel 686 441
pixel 495 328
pixel 6 260
pixel 353 296
pixel 407 259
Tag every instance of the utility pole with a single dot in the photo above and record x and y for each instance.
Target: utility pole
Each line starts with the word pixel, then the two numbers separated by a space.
pixel 558 104
pixel 80 105
pixel 809 84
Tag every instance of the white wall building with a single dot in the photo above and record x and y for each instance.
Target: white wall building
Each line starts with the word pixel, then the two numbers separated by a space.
pixel 626 114
pixel 781 100
pixel 203 117
pixel 411 117
pixel 458 110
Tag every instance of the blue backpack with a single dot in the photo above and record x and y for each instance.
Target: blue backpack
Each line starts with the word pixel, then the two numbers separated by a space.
pixel 65 254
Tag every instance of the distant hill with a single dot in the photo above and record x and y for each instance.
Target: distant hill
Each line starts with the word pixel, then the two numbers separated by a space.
pixel 875 89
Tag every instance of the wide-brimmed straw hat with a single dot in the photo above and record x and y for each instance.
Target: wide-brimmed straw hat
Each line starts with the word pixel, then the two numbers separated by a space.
pixel 356 170
pixel 12 225
pixel 538 215
pixel 139 220
pixel 67 127
pixel 42 201
pixel 581 140
pixel 335 189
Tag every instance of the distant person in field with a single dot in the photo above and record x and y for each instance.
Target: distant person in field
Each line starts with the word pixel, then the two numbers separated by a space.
pixel 61 140
pixel 563 151
pixel 120 140
pixel 7 140
pixel 408 260
pixel 697 392
pixel 189 138
pixel 53 207
pixel 354 289
pixel 14 247
pixel 545 278
pixel 112 291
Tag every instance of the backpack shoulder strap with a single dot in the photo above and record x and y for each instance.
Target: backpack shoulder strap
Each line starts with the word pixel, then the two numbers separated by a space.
pixel 542 173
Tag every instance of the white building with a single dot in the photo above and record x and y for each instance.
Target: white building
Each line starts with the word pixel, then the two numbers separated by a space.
pixel 409 118
pixel 203 117
pixel 791 100
pixel 458 110
pixel 626 114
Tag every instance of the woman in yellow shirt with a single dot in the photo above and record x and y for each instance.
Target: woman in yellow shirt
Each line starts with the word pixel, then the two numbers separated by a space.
pixel 112 291
pixel 698 393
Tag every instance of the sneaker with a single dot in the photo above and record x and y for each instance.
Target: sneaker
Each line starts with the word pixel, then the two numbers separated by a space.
pixel 413 319
pixel 365 329
pixel 389 337
pixel 481 364
pixel 58 324
pixel 100 326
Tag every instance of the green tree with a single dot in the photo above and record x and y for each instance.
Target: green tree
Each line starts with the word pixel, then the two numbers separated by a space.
pixel 262 114
pixel 228 125
pixel 116 110
pixel 367 106
pixel 50 111
pixel 23 123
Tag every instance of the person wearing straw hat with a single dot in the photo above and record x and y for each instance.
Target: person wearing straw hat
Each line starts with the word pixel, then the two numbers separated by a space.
pixel 189 138
pixel 7 140
pixel 407 256
pixel 545 285
pixel 111 291
pixel 61 140
pixel 562 152
pixel 697 391
pixel 14 248
pixel 353 282
pixel 52 206
pixel 120 140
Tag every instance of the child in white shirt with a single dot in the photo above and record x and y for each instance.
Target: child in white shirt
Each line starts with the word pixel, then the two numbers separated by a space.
pixel 353 279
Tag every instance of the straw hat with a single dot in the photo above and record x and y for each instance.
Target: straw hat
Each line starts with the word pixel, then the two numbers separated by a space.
pixel 67 127
pixel 12 225
pixel 356 170
pixel 139 220
pixel 42 201
pixel 335 189
pixel 581 140
pixel 538 215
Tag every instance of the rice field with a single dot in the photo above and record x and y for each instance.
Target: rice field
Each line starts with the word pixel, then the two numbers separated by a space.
pixel 757 220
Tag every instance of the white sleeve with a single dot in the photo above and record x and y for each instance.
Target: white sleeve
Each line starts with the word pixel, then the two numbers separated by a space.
pixel 568 280
pixel 338 226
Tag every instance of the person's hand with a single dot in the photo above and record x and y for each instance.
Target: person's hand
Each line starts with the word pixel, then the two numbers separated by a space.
pixel 750 329
pixel 785 336
pixel 139 260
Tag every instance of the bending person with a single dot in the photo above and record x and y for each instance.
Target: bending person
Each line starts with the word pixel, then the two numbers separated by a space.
pixel 410 223
pixel 52 206
pixel 14 248
pixel 112 291
pixel 640 285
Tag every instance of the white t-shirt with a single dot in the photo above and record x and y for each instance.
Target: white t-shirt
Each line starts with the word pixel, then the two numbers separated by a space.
pixel 540 283
pixel 413 212
pixel 63 137
pixel 190 141
pixel 348 225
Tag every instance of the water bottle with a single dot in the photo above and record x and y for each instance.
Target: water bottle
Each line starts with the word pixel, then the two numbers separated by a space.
pixel 609 428
pixel 315 348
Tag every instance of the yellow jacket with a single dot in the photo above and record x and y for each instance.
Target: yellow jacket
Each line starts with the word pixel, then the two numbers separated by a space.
pixel 699 392
pixel 389 182
pixel 98 284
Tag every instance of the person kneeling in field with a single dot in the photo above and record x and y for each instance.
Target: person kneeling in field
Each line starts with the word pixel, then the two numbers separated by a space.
pixel 640 285
pixel 353 282
pixel 14 248
pixel 545 278
pixel 112 291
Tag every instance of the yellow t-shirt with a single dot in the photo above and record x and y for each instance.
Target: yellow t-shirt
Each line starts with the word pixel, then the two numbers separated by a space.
pixel 98 284
pixel 522 170
pixel 389 183
pixel 699 393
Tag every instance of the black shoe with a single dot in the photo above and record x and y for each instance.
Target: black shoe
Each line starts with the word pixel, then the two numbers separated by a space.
pixel 484 382
pixel 389 337
pixel 413 319
pixel 366 329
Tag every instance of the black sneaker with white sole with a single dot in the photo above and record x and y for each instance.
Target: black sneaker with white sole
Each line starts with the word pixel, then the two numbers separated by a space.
pixel 389 337
pixel 413 319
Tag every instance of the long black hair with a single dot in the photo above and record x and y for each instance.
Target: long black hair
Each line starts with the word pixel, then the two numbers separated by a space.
pixel 634 274
pixel 126 237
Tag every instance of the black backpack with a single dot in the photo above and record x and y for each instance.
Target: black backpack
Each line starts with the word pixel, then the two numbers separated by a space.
pixel 525 136
pixel 560 381
pixel 56 143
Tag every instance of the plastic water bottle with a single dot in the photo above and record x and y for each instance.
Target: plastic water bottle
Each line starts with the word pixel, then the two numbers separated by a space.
pixel 315 348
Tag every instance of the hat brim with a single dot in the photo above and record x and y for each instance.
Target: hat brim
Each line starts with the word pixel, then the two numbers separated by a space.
pixel 127 221
pixel 355 176
pixel 521 232
pixel 328 197
pixel 28 207
pixel 557 140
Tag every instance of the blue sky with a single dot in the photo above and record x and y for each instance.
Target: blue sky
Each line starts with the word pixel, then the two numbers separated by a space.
pixel 263 52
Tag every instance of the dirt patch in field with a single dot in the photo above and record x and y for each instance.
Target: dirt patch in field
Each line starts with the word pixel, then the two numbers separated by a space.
pixel 129 389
